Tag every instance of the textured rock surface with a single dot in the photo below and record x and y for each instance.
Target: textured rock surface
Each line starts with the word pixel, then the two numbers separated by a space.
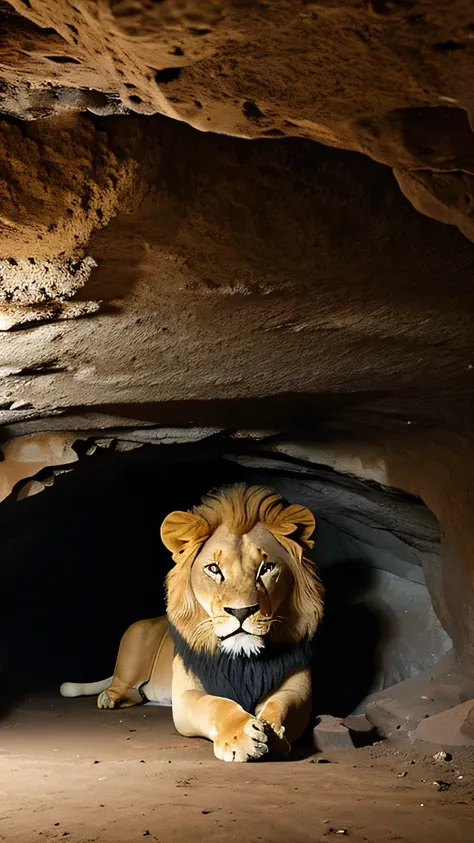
pixel 250 271
pixel 418 700
pixel 449 728
pixel 27 456
pixel 390 78
pixel 331 733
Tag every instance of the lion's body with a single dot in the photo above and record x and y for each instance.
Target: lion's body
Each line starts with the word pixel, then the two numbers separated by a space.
pixel 232 656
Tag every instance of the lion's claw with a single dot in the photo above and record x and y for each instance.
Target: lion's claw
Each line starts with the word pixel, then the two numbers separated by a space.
pixel 246 741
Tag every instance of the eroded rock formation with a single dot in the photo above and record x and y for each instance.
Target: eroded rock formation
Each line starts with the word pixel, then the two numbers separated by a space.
pixel 389 78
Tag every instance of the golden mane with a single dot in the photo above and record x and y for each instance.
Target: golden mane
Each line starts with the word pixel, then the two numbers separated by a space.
pixel 240 508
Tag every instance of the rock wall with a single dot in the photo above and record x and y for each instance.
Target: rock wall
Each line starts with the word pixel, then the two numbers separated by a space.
pixel 278 271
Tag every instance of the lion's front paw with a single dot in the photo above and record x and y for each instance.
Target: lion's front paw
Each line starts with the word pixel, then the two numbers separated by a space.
pixel 277 743
pixel 243 740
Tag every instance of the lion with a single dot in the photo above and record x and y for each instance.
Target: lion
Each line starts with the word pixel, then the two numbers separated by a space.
pixel 232 654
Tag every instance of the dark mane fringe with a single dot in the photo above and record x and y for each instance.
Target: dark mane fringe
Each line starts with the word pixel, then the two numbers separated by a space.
pixel 247 680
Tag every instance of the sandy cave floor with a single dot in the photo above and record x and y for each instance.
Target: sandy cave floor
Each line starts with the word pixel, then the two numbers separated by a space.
pixel 68 770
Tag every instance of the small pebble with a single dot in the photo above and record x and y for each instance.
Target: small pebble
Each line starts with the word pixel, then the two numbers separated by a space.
pixel 442 756
pixel 402 775
pixel 442 785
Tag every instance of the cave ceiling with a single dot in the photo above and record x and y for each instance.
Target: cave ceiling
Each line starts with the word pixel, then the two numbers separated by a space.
pixel 230 212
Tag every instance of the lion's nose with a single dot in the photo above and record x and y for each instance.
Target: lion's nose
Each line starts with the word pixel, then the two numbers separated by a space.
pixel 242 614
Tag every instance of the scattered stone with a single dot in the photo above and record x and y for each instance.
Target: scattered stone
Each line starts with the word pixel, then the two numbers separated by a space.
pixel 442 756
pixel 146 833
pixel 320 761
pixel 417 701
pixel 96 762
pixel 442 785
pixel 402 775
pixel 330 733
pixel 357 723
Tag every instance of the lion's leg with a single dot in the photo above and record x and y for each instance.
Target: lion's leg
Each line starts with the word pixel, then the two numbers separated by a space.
pixel 136 657
pixel 288 709
pixel 237 735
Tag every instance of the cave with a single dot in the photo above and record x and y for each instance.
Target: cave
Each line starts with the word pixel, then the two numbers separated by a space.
pixel 373 546
pixel 237 247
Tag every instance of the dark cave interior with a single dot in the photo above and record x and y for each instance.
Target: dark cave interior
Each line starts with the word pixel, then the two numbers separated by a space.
pixel 83 560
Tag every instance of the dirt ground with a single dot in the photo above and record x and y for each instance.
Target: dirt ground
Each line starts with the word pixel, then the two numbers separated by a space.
pixel 68 770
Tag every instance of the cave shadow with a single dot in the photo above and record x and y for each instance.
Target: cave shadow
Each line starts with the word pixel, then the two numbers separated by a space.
pixel 83 560
pixel 347 646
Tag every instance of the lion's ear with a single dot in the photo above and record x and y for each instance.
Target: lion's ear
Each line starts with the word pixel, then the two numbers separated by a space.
pixel 294 519
pixel 183 530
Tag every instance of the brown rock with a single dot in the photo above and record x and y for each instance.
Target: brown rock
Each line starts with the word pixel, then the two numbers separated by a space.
pixel 447 728
pixel 397 86
pixel 330 733
pixel 467 726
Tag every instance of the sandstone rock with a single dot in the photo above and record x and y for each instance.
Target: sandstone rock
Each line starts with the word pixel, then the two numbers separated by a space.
pixel 416 702
pixel 15 317
pixel 397 86
pixel 449 728
pixel 33 487
pixel 467 726
pixel 331 733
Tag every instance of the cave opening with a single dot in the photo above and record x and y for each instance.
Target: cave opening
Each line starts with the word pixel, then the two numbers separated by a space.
pixel 83 560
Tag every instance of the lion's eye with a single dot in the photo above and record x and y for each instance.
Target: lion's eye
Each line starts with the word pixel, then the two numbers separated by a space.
pixel 214 570
pixel 265 568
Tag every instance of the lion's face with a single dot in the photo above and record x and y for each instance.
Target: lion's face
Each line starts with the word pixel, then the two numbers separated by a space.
pixel 241 578
pixel 241 583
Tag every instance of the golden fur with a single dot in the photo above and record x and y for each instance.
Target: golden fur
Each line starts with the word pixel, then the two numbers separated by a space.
pixel 240 508
pixel 241 548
